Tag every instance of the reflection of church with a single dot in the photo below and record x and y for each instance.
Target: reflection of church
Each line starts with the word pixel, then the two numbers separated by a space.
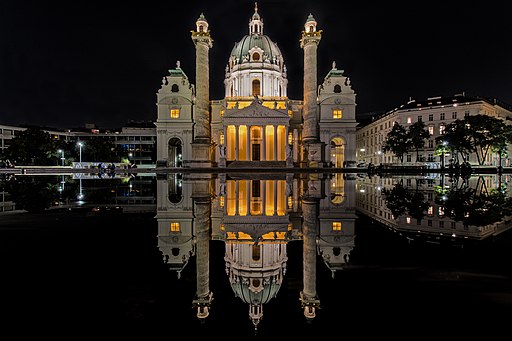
pixel 256 218
pixel 256 124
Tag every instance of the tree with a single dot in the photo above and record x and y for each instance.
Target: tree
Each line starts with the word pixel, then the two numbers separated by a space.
pixel 456 139
pixel 417 134
pixel 100 150
pixel 397 142
pixel 32 147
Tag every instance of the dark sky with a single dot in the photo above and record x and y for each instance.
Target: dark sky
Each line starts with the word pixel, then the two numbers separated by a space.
pixel 64 64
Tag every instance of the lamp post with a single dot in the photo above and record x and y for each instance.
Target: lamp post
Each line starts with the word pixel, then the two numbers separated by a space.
pixel 62 158
pixel 80 144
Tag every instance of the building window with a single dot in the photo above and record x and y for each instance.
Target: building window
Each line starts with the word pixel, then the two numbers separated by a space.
pixel 221 139
pixel 175 113
pixel 175 88
pixel 221 201
pixel 441 129
pixel 409 120
pixel 431 142
pixel 441 116
pixel 255 56
pixel 175 227
pixel 409 158
pixel 336 225
pixel 466 113
pixel 420 118
pixel 256 87
pixel 452 224
pixel 337 89
pixel 290 138
pixel 454 115
pixel 441 224
pixel 337 113
pixel 431 117
pixel 431 130
pixel 408 220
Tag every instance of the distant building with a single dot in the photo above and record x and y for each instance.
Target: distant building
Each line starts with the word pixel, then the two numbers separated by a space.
pixel 136 139
pixel 436 113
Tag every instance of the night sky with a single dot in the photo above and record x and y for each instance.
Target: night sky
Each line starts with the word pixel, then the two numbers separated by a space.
pixel 64 64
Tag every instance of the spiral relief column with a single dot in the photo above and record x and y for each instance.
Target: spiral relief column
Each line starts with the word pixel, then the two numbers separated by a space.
pixel 310 136
pixel 201 147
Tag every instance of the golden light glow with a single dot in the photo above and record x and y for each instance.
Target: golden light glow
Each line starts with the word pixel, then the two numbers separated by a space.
pixel 243 104
pixel 243 193
pixel 175 227
pixel 281 197
pixel 221 201
pixel 280 105
pixel 244 236
pixel 175 113
pixel 222 227
pixel 281 143
pixel 221 139
pixel 336 225
pixel 269 201
pixel 290 112
pixel 222 113
pixel 243 153
pixel 231 105
pixel 231 131
pixel 337 113
pixel 231 195
pixel 269 134
pixel 290 202
pixel 290 138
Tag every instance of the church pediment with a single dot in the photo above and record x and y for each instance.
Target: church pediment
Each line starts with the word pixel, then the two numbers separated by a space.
pixel 255 110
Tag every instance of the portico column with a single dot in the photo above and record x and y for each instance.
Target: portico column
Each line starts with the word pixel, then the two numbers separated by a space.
pixel 237 136
pixel 264 143
pixel 248 143
pixel 275 143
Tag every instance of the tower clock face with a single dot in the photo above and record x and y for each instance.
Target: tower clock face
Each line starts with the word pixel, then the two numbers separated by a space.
pixel 174 100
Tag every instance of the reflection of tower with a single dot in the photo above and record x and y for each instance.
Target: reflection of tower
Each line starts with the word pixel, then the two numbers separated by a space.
pixel 201 148
pixel 337 222
pixel 174 216
pixel 204 296
pixel 309 42
pixel 308 296
pixel 256 228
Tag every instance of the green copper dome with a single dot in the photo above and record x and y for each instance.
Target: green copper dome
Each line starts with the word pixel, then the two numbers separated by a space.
pixel 242 48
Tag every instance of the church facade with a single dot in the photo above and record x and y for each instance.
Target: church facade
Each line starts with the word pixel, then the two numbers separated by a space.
pixel 256 124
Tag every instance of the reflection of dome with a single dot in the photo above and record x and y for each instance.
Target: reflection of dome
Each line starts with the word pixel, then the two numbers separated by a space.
pixel 256 272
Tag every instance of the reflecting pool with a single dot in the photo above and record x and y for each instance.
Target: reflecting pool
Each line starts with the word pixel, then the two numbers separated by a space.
pixel 255 255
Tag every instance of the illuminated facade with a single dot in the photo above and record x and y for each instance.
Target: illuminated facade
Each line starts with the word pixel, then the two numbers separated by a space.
pixel 256 124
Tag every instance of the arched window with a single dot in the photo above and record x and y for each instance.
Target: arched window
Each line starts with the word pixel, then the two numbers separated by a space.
pixel 175 88
pixel 256 87
pixel 255 56
pixel 337 88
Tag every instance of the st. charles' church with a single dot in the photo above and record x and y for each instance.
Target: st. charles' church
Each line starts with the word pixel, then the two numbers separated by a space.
pixel 256 124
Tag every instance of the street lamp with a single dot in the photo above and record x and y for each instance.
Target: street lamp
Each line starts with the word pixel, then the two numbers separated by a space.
pixel 80 144
pixel 61 151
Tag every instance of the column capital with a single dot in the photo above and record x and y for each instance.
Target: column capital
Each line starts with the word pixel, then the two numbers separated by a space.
pixel 202 38
pixel 310 37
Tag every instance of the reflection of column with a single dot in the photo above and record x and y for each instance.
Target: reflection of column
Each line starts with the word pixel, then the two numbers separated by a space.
pixel 308 295
pixel 203 297
pixel 237 198
pixel 275 196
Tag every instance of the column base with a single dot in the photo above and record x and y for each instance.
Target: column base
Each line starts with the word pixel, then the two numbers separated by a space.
pixel 201 155
pixel 315 151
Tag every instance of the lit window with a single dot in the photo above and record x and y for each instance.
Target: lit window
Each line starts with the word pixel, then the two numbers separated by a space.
pixel 409 120
pixel 441 129
pixel 221 201
pixel 336 225
pixel 175 227
pixel 431 130
pixel 221 139
pixel 256 56
pixel 430 210
pixel 290 201
pixel 175 113
pixel 337 113
pixel 290 138
pixel 408 220
pixel 222 113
